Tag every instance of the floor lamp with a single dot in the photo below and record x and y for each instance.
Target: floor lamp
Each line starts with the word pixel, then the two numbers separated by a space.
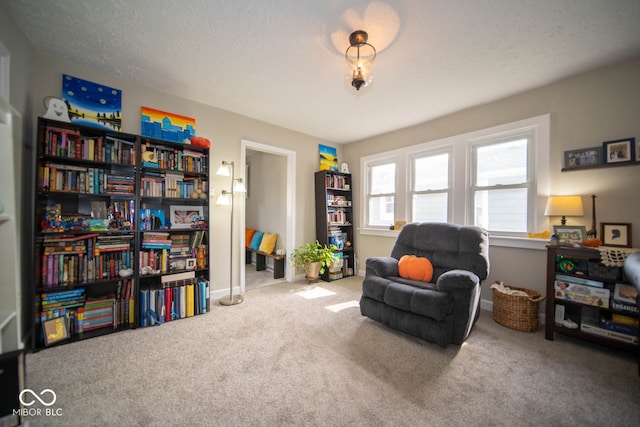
pixel 226 198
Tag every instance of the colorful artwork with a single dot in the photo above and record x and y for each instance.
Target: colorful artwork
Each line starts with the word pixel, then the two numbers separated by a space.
pixel 92 104
pixel 328 158
pixel 166 126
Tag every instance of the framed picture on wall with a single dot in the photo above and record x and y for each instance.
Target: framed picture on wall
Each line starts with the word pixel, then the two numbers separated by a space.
pixel 616 234
pixel 182 217
pixel 583 157
pixel 619 151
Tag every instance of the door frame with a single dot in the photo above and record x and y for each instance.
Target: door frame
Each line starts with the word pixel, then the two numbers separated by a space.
pixel 290 203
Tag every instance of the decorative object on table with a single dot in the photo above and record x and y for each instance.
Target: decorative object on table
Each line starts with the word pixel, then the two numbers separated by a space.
pixel 564 206
pixel 616 234
pixel 344 167
pixel 56 109
pixel 619 151
pixel 200 141
pixel 570 234
pixel 183 216
pixel 397 225
pixel 592 233
pixel 166 126
pixel 92 104
pixel 328 158
pixel 314 258
pixel 226 199
pixel 584 157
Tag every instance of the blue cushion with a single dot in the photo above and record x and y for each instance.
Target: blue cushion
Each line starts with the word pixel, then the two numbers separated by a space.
pixel 257 239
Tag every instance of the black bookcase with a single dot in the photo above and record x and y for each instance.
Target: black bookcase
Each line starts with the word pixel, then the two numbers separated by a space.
pixel 334 220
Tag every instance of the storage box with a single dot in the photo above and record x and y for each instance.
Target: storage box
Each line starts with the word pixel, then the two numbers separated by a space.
pixel 597 269
pixel 583 294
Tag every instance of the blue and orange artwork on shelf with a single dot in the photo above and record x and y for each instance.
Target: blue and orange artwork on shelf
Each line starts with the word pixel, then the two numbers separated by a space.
pixel 167 126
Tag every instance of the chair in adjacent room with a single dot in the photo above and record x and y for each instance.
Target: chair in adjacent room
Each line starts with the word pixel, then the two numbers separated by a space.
pixel 443 309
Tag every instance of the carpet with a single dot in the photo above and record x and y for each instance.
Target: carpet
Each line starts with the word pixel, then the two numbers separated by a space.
pixel 294 354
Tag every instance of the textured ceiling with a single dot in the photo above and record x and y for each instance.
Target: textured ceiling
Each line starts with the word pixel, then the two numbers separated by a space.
pixel 281 61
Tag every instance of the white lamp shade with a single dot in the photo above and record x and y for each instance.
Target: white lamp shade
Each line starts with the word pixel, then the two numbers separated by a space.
pixel 224 169
pixel 238 186
pixel 223 199
pixel 564 206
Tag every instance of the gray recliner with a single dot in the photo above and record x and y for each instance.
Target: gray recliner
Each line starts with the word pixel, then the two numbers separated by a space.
pixel 444 310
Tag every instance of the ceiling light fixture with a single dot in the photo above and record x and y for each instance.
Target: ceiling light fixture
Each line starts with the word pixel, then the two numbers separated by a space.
pixel 360 56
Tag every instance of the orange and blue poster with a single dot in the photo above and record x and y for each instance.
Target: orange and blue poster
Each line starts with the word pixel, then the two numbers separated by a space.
pixel 166 126
pixel 92 104
pixel 328 158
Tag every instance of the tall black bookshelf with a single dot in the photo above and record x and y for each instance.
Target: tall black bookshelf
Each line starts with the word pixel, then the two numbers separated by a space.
pixel 334 220
pixel 110 254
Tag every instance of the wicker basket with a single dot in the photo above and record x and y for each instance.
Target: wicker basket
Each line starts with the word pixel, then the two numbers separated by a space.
pixel 517 312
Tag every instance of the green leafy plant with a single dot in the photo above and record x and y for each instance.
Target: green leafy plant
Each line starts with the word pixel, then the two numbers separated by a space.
pixel 314 252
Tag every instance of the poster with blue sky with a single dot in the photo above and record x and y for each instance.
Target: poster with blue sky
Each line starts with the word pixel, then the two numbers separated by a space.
pixel 92 104
pixel 328 158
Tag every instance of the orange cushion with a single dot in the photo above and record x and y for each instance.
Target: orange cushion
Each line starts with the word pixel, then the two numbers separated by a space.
pixel 248 235
pixel 415 268
pixel 268 243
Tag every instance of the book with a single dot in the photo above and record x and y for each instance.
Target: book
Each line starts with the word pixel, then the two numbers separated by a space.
pixel 582 294
pixel 580 280
pixel 627 294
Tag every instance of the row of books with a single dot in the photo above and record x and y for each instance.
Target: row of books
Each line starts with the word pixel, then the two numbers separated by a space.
pixel 338 216
pixel 595 293
pixel 71 145
pixel 161 261
pixel 178 160
pixel 83 180
pixel 171 186
pixel 83 314
pixel 617 327
pixel 176 299
pixel 336 181
pixel 69 259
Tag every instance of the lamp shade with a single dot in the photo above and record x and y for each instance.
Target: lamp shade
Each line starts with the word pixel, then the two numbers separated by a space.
pixel 224 199
pixel 564 206
pixel 238 186
pixel 224 169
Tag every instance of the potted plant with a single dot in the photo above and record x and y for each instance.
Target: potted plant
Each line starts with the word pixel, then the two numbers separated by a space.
pixel 314 258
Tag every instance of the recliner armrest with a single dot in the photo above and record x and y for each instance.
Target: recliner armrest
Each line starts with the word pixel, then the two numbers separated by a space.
pixel 382 266
pixel 454 280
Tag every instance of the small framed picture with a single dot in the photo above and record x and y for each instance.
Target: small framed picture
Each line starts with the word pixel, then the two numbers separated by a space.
pixel 582 158
pixel 568 234
pixel 637 152
pixel 616 234
pixel 619 151
pixel 191 263
pixel 182 217
pixel 55 330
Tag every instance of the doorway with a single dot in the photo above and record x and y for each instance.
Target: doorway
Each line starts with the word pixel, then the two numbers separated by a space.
pixel 285 203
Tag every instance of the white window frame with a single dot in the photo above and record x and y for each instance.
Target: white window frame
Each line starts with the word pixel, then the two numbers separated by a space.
pixel 447 149
pixel 461 194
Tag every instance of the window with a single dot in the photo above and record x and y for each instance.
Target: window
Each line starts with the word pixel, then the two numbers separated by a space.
pixel 501 185
pixel 382 189
pixel 430 188
pixel 492 178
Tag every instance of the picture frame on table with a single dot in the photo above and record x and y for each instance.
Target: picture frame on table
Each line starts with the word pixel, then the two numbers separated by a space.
pixel 584 157
pixel 569 234
pixel 616 234
pixel 183 216
pixel 619 151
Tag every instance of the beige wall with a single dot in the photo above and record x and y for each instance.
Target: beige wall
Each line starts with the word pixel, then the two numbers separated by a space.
pixel 223 128
pixel 587 109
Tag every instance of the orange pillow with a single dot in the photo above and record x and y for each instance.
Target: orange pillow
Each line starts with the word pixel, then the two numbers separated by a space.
pixel 248 235
pixel 415 268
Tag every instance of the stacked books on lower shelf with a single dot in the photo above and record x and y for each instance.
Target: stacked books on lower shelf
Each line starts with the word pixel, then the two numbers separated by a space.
pixel 179 295
pixel 608 311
